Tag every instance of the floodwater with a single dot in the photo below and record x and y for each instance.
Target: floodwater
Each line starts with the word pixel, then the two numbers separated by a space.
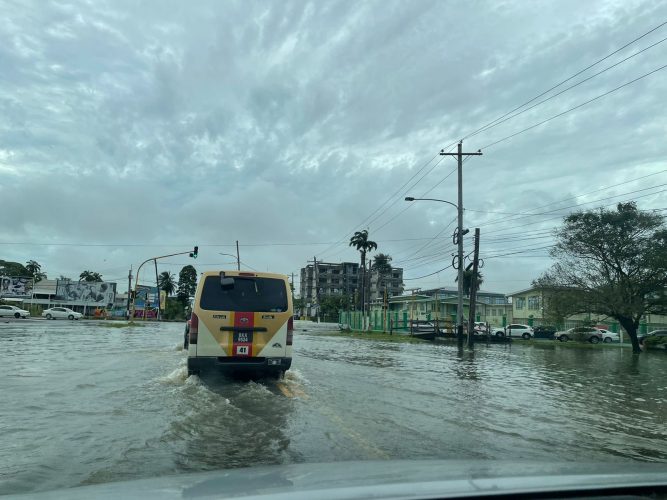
pixel 83 403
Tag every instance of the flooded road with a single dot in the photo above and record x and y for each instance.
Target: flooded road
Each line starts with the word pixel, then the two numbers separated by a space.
pixel 84 403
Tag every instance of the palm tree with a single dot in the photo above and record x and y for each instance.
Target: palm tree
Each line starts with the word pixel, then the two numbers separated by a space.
pixel 467 280
pixel 167 282
pixel 35 270
pixel 361 242
pixel 90 276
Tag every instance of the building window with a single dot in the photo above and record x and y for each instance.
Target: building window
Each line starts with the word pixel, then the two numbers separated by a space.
pixel 520 302
pixel 534 303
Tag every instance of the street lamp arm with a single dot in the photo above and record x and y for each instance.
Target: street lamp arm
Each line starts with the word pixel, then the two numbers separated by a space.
pixel 410 198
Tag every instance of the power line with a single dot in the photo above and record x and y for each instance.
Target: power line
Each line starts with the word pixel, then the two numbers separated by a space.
pixel 580 195
pixel 427 275
pixel 568 79
pixel 574 108
pixel 566 89
pixel 574 206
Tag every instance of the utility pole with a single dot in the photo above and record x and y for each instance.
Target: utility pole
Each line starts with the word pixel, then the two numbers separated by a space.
pixel 473 291
pixel 157 288
pixel 238 257
pixel 129 289
pixel 458 235
pixel 317 289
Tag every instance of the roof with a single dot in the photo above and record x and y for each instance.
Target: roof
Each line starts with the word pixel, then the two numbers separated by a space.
pixel 522 291
pixel 456 290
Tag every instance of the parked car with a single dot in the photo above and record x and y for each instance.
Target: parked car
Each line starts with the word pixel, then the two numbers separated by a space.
pixel 609 336
pixel 515 330
pixel 14 311
pixel 61 313
pixel 544 332
pixel 586 333
pixel 653 335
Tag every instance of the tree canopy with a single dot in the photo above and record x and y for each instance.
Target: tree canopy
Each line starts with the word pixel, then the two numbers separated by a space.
pixel 609 262
pixel 35 270
pixel 167 282
pixel 467 280
pixel 90 276
pixel 187 283
pixel 8 268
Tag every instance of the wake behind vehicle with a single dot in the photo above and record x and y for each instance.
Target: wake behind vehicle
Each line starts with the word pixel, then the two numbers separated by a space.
pixel 241 324
pixel 13 311
pixel 61 313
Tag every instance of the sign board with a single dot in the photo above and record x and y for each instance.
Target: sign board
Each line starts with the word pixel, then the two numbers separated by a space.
pixel 99 293
pixel 15 286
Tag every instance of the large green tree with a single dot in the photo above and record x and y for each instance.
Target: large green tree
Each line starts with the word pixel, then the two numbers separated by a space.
pixel 330 305
pixel 167 282
pixel 363 245
pixel 8 268
pixel 35 269
pixel 90 276
pixel 187 284
pixel 612 263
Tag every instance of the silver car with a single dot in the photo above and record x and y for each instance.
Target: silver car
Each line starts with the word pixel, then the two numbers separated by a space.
pixel 13 311
pixel 586 333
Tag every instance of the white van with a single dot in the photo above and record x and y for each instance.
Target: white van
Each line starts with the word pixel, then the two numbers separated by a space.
pixel 241 324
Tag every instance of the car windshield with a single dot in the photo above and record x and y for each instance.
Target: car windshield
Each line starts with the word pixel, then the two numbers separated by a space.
pixel 376 240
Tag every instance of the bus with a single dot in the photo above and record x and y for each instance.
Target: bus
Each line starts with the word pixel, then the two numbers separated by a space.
pixel 241 325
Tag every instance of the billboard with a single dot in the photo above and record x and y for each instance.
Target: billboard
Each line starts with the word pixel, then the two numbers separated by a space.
pixel 96 293
pixel 15 286
pixel 146 294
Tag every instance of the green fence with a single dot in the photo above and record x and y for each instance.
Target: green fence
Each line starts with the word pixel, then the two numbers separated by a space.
pixel 381 321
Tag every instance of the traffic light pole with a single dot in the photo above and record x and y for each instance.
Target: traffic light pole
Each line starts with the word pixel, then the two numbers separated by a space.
pixel 136 281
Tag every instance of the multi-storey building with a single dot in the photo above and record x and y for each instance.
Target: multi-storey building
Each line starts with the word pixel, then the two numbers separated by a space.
pixel 391 282
pixel 328 279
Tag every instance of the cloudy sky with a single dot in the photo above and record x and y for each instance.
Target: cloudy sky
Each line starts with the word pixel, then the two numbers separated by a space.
pixel 135 129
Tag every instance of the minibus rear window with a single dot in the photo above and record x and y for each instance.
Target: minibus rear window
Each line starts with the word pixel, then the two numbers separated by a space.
pixel 247 295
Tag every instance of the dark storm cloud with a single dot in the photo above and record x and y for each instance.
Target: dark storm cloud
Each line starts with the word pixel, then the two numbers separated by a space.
pixel 165 124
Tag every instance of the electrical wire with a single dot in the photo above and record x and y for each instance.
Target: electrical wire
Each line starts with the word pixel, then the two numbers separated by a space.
pixel 490 145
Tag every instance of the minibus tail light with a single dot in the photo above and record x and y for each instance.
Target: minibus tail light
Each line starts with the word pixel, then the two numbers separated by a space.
pixel 290 330
pixel 194 328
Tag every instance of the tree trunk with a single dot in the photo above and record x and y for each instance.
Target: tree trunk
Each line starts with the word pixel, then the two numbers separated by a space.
pixel 630 327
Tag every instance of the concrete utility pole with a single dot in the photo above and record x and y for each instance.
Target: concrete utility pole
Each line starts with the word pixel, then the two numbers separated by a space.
pixel 459 234
pixel 238 257
pixel 157 287
pixel 317 289
pixel 473 291
pixel 129 289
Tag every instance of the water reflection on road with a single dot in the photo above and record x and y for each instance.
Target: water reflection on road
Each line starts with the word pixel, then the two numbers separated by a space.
pixel 86 404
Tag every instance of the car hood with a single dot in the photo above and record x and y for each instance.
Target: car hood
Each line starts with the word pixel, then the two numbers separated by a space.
pixel 386 479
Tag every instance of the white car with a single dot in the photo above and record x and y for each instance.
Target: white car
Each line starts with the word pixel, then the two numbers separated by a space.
pixel 13 311
pixel 609 336
pixel 515 330
pixel 62 313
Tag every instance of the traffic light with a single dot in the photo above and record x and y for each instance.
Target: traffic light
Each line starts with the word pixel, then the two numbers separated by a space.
pixel 193 254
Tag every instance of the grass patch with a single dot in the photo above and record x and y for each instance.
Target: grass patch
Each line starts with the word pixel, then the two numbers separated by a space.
pixel 381 336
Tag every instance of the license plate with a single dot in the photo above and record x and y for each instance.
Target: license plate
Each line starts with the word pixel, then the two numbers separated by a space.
pixel 242 337
pixel 273 362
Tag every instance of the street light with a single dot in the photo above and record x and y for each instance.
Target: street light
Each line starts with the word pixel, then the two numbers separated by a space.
pixel 459 236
